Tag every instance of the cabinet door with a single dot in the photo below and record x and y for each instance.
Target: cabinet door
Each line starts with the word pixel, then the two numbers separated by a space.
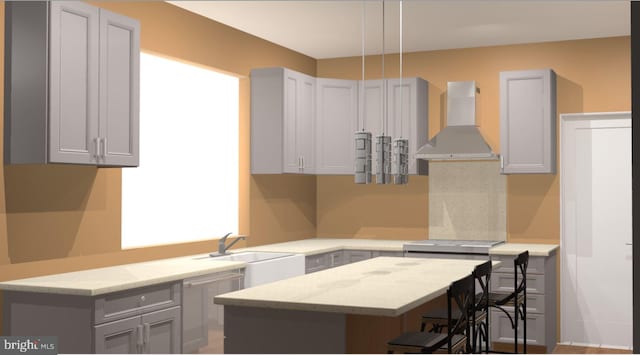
pixel 195 301
pixel 124 336
pixel 336 116
pixel 306 124
pixel 352 256
pixel 73 82
pixel 202 320
pixel 502 332
pixel 318 262
pixel 162 331
pixel 299 113
pixel 407 116
pixel 528 121
pixel 119 89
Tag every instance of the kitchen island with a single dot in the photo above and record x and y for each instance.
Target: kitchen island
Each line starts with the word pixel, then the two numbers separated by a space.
pixel 353 308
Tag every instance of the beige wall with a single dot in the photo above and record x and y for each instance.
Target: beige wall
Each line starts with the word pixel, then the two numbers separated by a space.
pixel 593 75
pixel 60 218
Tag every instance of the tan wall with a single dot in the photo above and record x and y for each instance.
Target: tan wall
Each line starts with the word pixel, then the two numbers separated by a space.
pixel 64 218
pixel 593 75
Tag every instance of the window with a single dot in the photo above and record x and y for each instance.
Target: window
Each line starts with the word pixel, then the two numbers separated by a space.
pixel 186 187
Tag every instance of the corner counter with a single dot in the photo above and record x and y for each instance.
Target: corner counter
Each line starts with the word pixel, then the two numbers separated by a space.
pixel 542 296
pixel 517 248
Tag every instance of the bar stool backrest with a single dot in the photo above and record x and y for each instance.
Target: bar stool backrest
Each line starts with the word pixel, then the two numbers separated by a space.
pixel 520 264
pixel 482 275
pixel 460 292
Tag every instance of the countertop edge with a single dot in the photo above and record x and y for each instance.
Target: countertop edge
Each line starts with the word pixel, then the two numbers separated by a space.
pixel 90 292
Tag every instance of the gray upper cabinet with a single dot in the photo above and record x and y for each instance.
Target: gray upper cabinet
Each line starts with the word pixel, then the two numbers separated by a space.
pixel 407 115
pixel 282 121
pixel 336 115
pixel 71 85
pixel 528 121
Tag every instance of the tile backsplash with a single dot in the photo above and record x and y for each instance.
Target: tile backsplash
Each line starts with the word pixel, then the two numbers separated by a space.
pixel 467 200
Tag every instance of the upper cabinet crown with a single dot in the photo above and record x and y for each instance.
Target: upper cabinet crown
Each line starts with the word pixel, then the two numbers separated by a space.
pixel 528 121
pixel 71 84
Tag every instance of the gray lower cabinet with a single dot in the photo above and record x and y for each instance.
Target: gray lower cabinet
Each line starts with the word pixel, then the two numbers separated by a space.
pixel 528 121
pixel 72 84
pixel 202 320
pixel 141 320
pixel 324 261
pixel 152 333
pixel 541 302
pixel 352 256
pixel 317 262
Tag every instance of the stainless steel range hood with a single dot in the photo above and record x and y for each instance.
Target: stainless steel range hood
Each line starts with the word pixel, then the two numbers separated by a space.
pixel 461 139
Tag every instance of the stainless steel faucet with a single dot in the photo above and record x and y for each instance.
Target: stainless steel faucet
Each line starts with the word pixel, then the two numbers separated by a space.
pixel 222 248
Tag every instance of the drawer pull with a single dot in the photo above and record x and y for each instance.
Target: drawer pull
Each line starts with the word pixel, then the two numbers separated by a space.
pixel 142 298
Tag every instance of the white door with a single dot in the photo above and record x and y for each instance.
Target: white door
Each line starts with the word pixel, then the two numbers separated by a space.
pixel 596 282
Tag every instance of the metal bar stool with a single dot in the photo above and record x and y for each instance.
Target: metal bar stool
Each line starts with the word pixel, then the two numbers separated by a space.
pixel 516 299
pixel 457 339
pixel 480 320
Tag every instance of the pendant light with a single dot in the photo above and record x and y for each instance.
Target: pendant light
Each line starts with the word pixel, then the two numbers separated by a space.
pixel 363 138
pixel 383 142
pixel 401 145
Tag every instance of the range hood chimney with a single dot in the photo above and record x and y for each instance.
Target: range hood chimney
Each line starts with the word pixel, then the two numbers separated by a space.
pixel 461 139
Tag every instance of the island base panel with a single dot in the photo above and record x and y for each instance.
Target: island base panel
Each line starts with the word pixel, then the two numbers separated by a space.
pixel 251 330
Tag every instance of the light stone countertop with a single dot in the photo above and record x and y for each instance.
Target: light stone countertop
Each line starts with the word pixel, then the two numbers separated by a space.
pixel 383 286
pixel 517 248
pixel 95 282
pixel 324 245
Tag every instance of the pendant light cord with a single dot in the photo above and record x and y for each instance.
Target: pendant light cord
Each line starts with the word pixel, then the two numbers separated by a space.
pixel 401 88
pixel 384 86
pixel 362 86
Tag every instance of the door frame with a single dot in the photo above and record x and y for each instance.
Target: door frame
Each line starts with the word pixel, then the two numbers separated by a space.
pixel 564 120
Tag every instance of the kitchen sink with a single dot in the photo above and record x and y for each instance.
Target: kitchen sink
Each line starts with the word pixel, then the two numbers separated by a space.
pixel 264 267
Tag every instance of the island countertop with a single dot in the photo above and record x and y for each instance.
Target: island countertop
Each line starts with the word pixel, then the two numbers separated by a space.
pixel 383 286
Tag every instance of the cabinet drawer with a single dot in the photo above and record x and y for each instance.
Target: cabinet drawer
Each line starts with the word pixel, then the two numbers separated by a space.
pixel 386 253
pixel 535 303
pixel 128 303
pixel 535 266
pixel 315 263
pixel 502 332
pixel 503 282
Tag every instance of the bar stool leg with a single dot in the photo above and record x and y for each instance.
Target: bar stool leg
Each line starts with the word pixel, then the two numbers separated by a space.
pixel 515 329
pixel 524 319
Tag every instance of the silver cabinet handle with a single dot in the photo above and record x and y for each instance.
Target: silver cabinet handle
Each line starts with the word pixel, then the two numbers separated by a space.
pixel 140 341
pixel 96 145
pixel 104 147
pixel 210 281
pixel 147 336
pixel 302 163
pixel 501 162
pixel 628 243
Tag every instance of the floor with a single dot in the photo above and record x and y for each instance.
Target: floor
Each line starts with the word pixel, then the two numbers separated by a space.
pixel 569 349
